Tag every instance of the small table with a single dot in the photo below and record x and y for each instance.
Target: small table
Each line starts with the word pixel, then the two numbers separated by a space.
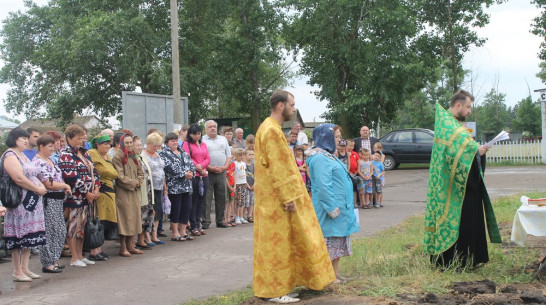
pixel 529 219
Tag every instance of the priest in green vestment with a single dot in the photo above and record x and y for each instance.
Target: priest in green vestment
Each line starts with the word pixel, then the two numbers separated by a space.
pixel 458 206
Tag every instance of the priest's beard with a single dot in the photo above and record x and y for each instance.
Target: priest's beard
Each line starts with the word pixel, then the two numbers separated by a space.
pixel 286 115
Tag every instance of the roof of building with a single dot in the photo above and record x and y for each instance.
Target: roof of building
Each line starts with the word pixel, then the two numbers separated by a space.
pixel 44 124
pixel 5 124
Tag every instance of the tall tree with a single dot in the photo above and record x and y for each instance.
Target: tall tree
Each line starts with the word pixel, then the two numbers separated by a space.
pixel 452 22
pixel 492 115
pixel 68 56
pixel 366 56
pixel 251 62
pixel 528 117
pixel 539 27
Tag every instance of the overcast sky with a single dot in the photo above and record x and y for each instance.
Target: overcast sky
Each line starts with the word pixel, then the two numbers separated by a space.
pixel 509 58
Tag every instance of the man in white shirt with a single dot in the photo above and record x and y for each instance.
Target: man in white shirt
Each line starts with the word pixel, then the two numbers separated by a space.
pixel 220 159
pixel 239 141
pixel 302 137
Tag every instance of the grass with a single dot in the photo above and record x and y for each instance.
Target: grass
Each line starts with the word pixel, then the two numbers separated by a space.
pixel 230 298
pixel 392 262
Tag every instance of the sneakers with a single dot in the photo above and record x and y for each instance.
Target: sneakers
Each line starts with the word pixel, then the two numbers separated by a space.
pixel 78 263
pixel 87 262
pixel 238 221
pixel 376 205
pixel 243 220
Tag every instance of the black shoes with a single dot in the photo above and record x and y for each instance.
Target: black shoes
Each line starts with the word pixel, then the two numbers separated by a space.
pixel 205 226
pixel 54 270
pixel 220 225
pixel 97 258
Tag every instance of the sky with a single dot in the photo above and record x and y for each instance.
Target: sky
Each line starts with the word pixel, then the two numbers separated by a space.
pixel 508 60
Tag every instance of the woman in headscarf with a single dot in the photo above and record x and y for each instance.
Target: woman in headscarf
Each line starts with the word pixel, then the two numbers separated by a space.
pixel 130 179
pixel 106 202
pixel 332 190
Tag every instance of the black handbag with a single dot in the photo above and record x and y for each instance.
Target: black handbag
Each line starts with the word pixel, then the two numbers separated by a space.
pixel 10 193
pixel 94 231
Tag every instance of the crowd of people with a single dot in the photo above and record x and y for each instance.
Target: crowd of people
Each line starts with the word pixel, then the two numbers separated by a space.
pixel 296 185
pixel 128 184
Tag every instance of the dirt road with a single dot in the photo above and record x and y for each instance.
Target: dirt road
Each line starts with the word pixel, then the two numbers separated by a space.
pixel 222 260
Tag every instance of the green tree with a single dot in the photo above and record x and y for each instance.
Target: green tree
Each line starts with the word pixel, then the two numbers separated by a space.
pixel 528 117
pixel 452 23
pixel 251 63
pixel 492 115
pixel 366 56
pixel 68 56
pixel 539 27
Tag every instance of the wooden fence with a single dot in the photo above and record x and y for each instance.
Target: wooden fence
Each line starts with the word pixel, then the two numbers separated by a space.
pixel 515 151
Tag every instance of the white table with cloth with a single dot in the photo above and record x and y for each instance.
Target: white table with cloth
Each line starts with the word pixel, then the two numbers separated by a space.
pixel 529 219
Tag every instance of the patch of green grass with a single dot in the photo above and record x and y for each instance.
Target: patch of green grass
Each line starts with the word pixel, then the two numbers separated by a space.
pixel 230 298
pixel 392 262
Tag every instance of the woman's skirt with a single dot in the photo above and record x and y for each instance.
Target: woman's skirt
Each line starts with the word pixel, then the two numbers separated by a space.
pixel 338 246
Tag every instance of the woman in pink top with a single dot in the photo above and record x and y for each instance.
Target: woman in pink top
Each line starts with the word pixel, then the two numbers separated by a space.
pixel 200 156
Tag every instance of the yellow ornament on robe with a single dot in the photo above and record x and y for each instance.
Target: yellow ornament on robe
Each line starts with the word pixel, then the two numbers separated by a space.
pixel 289 248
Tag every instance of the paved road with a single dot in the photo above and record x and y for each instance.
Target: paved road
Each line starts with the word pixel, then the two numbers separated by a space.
pixel 222 260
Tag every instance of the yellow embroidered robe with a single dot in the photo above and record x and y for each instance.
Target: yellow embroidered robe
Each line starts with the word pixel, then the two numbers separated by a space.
pixel 289 248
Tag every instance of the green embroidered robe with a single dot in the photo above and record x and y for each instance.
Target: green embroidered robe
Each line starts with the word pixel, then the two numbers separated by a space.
pixel 452 155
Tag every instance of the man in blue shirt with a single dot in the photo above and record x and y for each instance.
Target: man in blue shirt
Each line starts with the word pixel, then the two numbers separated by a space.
pixel 31 151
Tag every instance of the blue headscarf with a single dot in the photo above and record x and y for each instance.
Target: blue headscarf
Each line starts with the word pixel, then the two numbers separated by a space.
pixel 323 135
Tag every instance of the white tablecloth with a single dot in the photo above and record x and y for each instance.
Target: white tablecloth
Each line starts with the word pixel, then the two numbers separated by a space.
pixel 529 219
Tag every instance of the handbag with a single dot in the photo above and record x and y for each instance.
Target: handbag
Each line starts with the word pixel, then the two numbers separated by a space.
pixel 10 193
pixel 93 236
pixel 93 232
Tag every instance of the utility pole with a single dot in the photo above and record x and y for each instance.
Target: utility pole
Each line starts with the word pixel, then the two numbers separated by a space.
pixel 177 103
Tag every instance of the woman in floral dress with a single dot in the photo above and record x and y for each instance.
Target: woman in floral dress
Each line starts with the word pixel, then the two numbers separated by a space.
pixel 24 226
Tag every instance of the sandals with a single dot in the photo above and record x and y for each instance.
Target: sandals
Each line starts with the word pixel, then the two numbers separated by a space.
pixel 251 219
pixel 178 238
pixel 196 232
pixel 125 254
pixel 188 237
pixel 202 232
pixel 135 251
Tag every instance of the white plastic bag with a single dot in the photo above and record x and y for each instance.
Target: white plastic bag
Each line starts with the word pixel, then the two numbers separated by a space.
pixel 166 205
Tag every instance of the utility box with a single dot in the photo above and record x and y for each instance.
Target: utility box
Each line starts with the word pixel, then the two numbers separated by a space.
pixel 143 111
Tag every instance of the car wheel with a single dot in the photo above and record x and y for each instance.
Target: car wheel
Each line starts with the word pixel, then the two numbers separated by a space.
pixel 390 163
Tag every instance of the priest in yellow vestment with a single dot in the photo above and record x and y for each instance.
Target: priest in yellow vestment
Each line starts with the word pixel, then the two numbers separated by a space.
pixel 289 248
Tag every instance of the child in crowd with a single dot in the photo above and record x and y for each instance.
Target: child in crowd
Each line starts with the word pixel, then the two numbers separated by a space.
pixel 342 154
pixel 365 172
pixel 227 131
pixel 249 142
pixel 249 198
pixel 300 161
pixel 230 182
pixel 378 173
pixel 379 147
pixel 353 168
pixel 240 185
